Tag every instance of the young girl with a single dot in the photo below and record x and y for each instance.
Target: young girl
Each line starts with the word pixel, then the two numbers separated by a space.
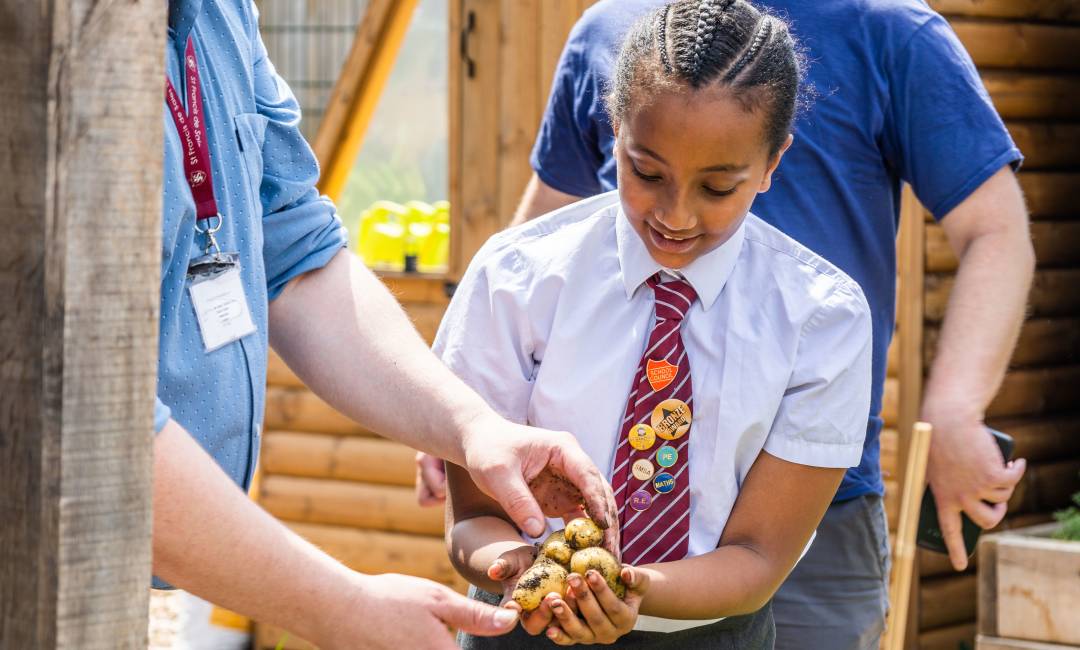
pixel 715 368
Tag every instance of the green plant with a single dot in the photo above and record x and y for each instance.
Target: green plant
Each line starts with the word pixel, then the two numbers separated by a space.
pixel 281 642
pixel 1069 518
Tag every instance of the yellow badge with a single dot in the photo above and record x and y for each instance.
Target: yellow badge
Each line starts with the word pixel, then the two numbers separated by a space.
pixel 642 437
pixel 671 419
pixel 643 469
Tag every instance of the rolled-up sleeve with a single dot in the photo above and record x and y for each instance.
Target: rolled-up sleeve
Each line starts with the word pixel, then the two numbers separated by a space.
pixel 301 229
pixel 162 414
pixel 821 420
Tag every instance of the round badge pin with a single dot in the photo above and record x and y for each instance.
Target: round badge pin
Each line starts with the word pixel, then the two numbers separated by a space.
pixel 663 483
pixel 642 469
pixel 671 419
pixel 640 500
pixel 667 456
pixel 642 437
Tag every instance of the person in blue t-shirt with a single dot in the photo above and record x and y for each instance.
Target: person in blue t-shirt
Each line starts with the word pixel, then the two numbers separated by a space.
pixel 895 99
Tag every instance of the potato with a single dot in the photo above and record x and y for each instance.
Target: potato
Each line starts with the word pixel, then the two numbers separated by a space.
pixel 602 561
pixel 555 548
pixel 582 533
pixel 542 578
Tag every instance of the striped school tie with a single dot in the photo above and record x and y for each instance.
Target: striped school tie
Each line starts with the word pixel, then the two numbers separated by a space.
pixel 651 482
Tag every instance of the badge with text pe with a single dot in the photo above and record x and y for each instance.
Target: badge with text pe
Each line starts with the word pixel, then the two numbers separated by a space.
pixel 660 373
pixel 642 437
pixel 671 419
pixel 667 456
pixel 640 500
pixel 642 469
pixel 663 483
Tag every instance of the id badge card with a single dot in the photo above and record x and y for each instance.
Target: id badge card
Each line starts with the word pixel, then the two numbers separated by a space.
pixel 217 293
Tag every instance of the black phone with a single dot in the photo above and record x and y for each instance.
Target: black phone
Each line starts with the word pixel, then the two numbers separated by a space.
pixel 930 536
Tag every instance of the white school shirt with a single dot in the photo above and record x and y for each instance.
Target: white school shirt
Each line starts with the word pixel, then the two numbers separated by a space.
pixel 551 319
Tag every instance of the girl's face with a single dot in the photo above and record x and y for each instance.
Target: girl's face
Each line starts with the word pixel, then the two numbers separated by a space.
pixel 689 166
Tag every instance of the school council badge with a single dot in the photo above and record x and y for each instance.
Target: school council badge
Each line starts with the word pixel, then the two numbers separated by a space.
pixel 660 373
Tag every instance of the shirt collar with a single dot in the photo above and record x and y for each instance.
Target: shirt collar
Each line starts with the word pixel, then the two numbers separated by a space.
pixel 182 15
pixel 707 274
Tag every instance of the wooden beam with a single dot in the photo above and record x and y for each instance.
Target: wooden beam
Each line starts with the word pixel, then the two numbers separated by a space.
pixel 911 260
pixel 358 89
pixel 1018 45
pixel 80 189
pixel 354 458
pixel 1057 243
pixel 298 409
pixel 1042 342
pixel 1051 194
pixel 1027 95
pixel 355 504
pixel 951 637
pixel 1048 10
pixel 904 583
pixel 911 254
pixel 1047 145
pixel 947 601
pixel 1053 294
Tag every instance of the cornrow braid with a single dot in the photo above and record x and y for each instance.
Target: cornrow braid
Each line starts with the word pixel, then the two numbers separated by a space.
pixel 709 14
pixel 700 43
pixel 761 36
pixel 661 37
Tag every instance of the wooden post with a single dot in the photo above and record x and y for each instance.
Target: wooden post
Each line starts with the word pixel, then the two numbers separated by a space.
pixel 904 565
pixel 357 91
pixel 911 249
pixel 80 210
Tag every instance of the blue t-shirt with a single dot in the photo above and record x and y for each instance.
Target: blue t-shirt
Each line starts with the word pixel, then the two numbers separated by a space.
pixel 897 99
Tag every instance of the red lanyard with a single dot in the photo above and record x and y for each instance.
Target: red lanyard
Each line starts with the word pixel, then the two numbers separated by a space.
pixel 191 125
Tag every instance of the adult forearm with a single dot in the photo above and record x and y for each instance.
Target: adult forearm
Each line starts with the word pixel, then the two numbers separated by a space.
pixel 982 322
pixel 538 199
pixel 210 539
pixel 345 335
pixel 730 581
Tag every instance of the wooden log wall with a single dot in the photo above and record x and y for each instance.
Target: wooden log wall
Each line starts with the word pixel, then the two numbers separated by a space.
pixel 1024 51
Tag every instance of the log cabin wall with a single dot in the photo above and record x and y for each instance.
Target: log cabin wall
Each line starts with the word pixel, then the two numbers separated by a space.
pixel 1026 52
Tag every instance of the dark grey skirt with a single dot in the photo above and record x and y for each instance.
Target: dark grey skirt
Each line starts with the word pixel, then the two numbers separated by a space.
pixel 750 632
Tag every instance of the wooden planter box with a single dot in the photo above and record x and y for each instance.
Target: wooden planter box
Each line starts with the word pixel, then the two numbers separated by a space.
pixel 1029 591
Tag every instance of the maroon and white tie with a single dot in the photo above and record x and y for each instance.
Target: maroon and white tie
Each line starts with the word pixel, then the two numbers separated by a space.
pixel 651 476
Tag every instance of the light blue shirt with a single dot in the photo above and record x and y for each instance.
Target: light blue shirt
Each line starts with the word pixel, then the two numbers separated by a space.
pixel 264 177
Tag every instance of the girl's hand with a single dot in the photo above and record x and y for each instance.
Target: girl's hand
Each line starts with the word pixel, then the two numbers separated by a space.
pixel 601 616
pixel 507 570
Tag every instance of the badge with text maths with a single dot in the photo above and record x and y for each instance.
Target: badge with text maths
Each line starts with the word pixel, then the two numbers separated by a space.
pixel 642 469
pixel 642 437
pixel 663 483
pixel 660 373
pixel 671 419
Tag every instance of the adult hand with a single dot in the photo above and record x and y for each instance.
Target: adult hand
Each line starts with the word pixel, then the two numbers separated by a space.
pixel 601 616
pixel 430 480
pixel 392 612
pixel 505 458
pixel 968 474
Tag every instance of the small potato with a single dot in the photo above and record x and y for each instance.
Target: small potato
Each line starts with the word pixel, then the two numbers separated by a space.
pixel 555 548
pixel 582 533
pixel 602 561
pixel 541 579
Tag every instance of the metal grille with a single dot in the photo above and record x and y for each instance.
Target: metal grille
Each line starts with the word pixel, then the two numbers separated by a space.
pixel 308 41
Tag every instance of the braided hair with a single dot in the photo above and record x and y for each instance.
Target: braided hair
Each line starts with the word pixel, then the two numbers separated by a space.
pixel 699 43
